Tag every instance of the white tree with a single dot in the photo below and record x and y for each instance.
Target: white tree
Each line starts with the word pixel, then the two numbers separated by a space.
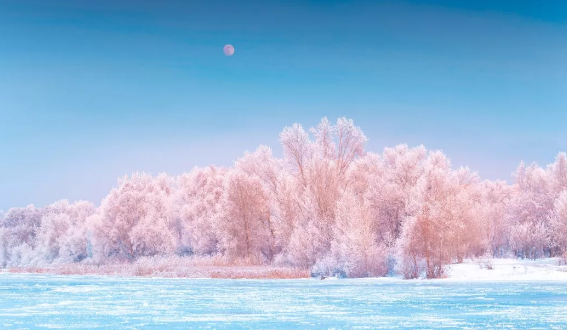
pixel 245 229
pixel 496 200
pixel 195 208
pixel 530 212
pixel 559 225
pixel 356 243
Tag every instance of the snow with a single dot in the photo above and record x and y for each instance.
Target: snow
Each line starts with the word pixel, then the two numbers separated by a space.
pixel 40 301
pixel 550 269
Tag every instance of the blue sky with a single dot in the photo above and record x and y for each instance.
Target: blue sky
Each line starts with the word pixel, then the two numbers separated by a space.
pixel 93 90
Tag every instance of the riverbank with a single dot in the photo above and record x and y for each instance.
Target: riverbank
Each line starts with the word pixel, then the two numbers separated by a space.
pixel 172 267
pixel 505 269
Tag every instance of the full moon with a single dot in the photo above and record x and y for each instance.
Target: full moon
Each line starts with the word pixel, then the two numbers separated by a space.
pixel 228 50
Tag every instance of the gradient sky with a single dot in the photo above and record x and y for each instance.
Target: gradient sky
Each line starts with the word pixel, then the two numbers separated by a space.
pixel 93 90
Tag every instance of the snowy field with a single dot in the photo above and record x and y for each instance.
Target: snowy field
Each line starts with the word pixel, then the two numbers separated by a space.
pixel 550 269
pixel 34 301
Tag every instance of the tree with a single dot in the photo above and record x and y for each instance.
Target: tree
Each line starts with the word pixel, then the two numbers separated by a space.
pixel 530 210
pixel 61 235
pixel 297 148
pixel 436 228
pixel 18 232
pixel 320 166
pixel 350 145
pixel 559 225
pixel 558 171
pixel 356 245
pixel 245 229
pixel 196 207
pixel 496 200
pixel 136 218
pixel 389 194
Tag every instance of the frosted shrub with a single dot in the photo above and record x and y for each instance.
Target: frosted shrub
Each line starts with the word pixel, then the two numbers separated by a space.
pixel 529 240
pixel 21 255
pixel 485 261
pixel 328 266
pixel 303 248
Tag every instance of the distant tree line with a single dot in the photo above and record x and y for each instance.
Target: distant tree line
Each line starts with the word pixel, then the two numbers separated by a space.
pixel 328 206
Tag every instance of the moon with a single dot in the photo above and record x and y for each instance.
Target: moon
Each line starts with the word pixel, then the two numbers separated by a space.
pixel 228 50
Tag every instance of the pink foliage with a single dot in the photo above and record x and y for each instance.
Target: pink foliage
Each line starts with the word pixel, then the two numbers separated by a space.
pixel 246 228
pixel 328 206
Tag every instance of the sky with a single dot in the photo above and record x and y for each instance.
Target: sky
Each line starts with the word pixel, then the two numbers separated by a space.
pixel 94 90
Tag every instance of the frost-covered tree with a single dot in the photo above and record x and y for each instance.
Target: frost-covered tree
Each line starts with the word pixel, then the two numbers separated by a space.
pixel 389 194
pixel 429 227
pixel 530 212
pixel 558 173
pixel 245 226
pixel 558 224
pixel 496 200
pixel 321 166
pixel 297 148
pixel 443 226
pixel 356 246
pixel 61 236
pixel 195 207
pixel 134 218
pixel 18 232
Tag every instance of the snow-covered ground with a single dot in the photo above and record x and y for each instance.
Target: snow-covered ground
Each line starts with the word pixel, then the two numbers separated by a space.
pixel 550 269
pixel 41 301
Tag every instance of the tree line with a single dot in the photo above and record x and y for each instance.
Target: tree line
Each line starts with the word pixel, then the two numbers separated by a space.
pixel 328 205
